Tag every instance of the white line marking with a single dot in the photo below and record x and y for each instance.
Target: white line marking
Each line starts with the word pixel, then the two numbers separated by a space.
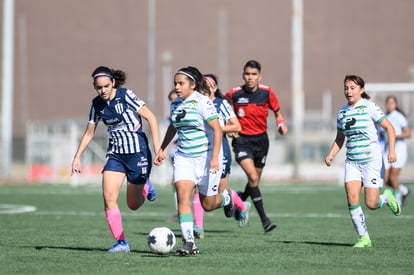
pixel 16 209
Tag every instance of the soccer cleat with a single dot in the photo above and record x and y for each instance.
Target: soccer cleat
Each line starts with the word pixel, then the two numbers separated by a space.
pixel 393 203
pixel 244 216
pixel 152 193
pixel 198 232
pixel 188 248
pixel 229 209
pixel 269 226
pixel 119 246
pixel 363 241
pixel 404 198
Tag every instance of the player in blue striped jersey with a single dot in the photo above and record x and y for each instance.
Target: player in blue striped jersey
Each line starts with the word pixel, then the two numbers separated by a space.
pixel 197 160
pixel 356 121
pixel 128 153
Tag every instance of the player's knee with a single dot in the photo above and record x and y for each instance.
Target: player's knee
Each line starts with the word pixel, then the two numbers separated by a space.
pixel 371 204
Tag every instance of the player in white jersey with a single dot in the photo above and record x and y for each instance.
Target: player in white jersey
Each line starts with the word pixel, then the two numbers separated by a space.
pixel 197 160
pixel 402 132
pixel 128 154
pixel 356 122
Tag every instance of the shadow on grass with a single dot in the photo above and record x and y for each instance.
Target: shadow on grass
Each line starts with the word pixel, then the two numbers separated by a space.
pixel 40 247
pixel 315 243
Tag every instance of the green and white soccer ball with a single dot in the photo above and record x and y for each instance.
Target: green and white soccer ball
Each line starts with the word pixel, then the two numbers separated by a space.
pixel 161 240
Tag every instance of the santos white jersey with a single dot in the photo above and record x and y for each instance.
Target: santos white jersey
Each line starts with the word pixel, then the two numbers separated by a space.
pixel 358 125
pixel 190 118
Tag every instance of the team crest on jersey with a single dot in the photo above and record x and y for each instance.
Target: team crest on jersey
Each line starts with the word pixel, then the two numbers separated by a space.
pixel 240 112
pixel 119 108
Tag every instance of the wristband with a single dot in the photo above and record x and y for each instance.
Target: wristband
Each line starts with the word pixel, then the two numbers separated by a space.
pixel 280 123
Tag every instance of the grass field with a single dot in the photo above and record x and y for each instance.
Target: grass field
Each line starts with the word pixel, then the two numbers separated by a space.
pixel 68 234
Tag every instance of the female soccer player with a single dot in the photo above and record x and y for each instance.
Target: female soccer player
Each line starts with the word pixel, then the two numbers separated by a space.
pixel 229 125
pixel 251 103
pixel 356 121
pixel 402 131
pixel 197 161
pixel 128 153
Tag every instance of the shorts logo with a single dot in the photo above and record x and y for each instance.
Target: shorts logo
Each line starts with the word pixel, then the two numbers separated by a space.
pixel 263 160
pixel 214 188
pixel 374 181
pixel 241 154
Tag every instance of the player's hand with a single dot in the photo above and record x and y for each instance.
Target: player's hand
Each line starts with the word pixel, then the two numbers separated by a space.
pixel 159 157
pixel 283 129
pixel 214 165
pixel 328 160
pixel 75 167
pixel 233 134
pixel 392 157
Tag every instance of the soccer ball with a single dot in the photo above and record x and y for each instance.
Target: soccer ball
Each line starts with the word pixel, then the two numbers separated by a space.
pixel 161 240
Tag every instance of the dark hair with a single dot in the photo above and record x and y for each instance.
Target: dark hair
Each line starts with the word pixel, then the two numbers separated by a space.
pixel 118 75
pixel 396 104
pixel 193 75
pixel 359 81
pixel 173 91
pixel 218 92
pixel 253 64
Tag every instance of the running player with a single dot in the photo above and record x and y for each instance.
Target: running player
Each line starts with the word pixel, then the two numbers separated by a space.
pixel 402 132
pixel 128 153
pixel 229 125
pixel 251 103
pixel 197 161
pixel 356 121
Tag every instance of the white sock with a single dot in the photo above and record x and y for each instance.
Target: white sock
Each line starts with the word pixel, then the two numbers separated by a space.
pixel 403 189
pixel 187 231
pixel 358 219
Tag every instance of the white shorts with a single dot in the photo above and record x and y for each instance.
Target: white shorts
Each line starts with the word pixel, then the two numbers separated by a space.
pixel 401 151
pixel 370 173
pixel 197 170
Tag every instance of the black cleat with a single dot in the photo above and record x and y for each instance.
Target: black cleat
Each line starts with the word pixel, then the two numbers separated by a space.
pixel 229 209
pixel 269 227
pixel 188 248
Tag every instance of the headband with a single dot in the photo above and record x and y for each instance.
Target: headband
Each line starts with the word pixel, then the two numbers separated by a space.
pixel 211 80
pixel 102 74
pixel 186 74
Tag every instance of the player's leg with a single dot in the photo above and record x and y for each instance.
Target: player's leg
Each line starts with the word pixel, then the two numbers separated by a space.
pixel 198 216
pixel 111 184
pixel 353 189
pixel 394 182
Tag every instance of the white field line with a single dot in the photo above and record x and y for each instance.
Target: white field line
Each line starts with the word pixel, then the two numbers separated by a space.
pixel 18 209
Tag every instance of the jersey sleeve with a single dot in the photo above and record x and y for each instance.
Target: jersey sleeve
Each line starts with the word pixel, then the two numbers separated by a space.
pixel 226 110
pixel 273 101
pixel 375 112
pixel 208 111
pixel 93 115
pixel 134 102
pixel 402 120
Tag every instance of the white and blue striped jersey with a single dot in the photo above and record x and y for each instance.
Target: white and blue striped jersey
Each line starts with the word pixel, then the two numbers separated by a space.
pixel 358 125
pixel 224 110
pixel 190 118
pixel 121 117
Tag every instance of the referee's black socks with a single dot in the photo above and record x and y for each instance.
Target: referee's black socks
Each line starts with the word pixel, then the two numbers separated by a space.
pixel 258 203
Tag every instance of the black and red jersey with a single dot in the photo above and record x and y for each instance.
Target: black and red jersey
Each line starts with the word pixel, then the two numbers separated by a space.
pixel 252 108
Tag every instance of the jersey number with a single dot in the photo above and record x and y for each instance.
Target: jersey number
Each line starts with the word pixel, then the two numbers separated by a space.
pixel 180 116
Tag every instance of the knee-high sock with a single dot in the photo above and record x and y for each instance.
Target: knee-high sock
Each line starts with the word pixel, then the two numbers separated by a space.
pixel 238 203
pixel 358 219
pixel 198 211
pixel 403 189
pixel 145 191
pixel 258 203
pixel 186 222
pixel 114 219
pixel 246 192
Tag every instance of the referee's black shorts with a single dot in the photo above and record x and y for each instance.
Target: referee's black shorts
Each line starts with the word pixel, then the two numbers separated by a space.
pixel 252 147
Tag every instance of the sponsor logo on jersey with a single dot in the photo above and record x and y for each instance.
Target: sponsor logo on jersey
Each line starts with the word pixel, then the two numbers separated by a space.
pixel 242 100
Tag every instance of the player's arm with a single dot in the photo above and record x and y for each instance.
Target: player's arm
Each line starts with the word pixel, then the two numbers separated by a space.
pixel 336 147
pixel 406 133
pixel 169 135
pixel 149 116
pixel 386 124
pixel 232 126
pixel 217 139
pixel 280 122
pixel 83 144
